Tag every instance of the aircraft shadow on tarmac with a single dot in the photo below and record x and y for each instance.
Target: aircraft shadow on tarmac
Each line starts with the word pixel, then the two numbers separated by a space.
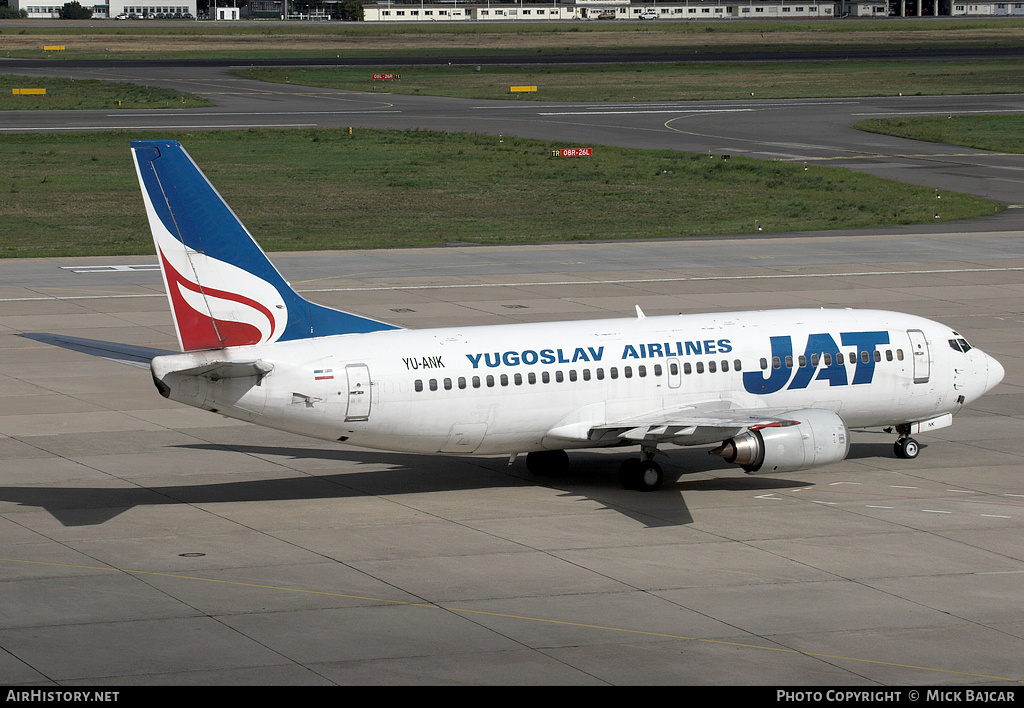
pixel 591 476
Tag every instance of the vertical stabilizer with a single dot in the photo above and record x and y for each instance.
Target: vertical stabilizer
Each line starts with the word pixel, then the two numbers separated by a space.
pixel 223 290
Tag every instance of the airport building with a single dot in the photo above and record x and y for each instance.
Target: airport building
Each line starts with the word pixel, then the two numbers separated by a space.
pixel 43 9
pixel 456 11
pixel 584 10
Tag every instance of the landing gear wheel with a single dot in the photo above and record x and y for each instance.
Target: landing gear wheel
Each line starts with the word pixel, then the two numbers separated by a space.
pixel 642 475
pixel 548 463
pixel 629 472
pixel 906 448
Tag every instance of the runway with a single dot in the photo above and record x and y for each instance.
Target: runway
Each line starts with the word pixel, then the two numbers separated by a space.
pixel 148 544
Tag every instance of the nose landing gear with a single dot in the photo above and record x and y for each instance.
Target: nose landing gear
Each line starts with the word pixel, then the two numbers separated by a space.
pixel 906 448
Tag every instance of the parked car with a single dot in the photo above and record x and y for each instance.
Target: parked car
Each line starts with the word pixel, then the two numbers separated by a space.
pixel 649 15
pixel 607 15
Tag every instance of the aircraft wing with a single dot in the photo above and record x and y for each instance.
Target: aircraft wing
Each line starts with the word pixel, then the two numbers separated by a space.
pixel 694 424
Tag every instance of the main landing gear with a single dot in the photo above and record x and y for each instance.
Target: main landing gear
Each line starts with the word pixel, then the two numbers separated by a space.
pixel 642 474
pixel 548 463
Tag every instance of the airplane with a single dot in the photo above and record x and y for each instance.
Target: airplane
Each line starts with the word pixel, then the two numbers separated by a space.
pixel 773 391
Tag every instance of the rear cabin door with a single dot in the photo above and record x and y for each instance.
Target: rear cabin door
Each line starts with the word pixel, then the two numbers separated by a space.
pixel 359 395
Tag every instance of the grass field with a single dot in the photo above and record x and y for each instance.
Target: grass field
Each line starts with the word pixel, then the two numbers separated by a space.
pixel 168 40
pixel 69 94
pixel 999 133
pixel 667 82
pixel 77 194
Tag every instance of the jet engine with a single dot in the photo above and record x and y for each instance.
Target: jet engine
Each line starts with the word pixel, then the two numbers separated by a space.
pixel 813 437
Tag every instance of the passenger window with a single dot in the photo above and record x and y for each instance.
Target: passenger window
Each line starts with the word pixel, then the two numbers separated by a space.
pixel 586 374
pixel 777 362
pixel 687 369
pixel 673 369
pixel 711 367
pixel 614 372
pixel 865 357
pixel 789 361
pixel 531 377
pixel 888 354
pixel 504 379
pixel 628 372
pixel 559 377
pixel 814 359
pixel 700 367
pixel 433 384
pixel 878 355
pixel 490 381
pixel 841 361
pixel 725 365
pixel 641 371
pixel 827 359
pixel 764 363
pixel 545 377
pixel 802 361
pixel 476 382
pixel 518 378
pixel 418 385
pixel 462 382
pixel 899 354
pixel 600 374
pixel 736 365
pixel 447 384
pixel 572 374
pixel 657 369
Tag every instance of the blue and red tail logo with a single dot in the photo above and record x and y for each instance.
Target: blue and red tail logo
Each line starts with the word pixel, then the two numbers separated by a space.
pixel 223 290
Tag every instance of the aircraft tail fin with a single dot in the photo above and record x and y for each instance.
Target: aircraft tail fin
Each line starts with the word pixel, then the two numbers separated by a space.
pixel 223 290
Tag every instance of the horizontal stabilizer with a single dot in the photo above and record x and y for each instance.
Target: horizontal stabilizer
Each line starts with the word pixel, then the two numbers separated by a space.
pixel 129 354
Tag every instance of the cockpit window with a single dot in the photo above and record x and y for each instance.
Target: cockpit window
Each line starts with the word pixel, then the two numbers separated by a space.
pixel 959 345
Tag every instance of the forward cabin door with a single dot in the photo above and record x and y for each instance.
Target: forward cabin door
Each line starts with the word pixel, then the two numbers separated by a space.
pixel 922 358
pixel 359 395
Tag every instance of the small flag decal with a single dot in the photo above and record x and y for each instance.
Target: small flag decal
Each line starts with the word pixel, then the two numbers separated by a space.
pixel 323 374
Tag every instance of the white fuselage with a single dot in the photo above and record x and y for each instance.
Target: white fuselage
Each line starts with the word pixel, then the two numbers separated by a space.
pixel 504 388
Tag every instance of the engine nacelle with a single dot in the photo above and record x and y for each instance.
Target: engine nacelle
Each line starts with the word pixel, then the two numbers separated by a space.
pixel 813 437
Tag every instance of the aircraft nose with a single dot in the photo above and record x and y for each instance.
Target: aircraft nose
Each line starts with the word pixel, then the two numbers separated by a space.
pixel 995 373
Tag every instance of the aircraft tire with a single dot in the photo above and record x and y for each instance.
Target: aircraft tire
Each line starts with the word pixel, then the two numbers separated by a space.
pixel 906 448
pixel 548 463
pixel 650 477
pixel 629 473
pixel 641 475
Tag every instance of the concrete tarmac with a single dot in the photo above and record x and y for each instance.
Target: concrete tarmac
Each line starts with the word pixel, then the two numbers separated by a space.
pixel 149 543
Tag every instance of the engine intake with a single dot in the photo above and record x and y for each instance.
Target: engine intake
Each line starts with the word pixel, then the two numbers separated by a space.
pixel 813 437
